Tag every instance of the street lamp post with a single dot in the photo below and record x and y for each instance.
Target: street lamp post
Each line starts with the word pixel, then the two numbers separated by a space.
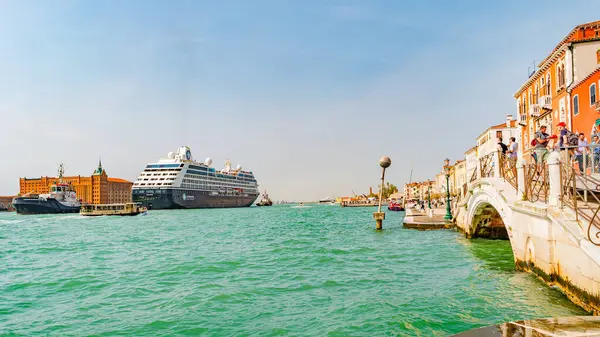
pixel 429 193
pixel 447 172
pixel 379 216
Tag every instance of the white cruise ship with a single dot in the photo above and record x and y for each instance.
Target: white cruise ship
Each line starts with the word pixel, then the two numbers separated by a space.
pixel 179 181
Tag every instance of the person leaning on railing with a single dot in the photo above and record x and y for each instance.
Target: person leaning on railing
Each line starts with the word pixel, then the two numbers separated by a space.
pixel 512 155
pixel 541 146
pixel 581 152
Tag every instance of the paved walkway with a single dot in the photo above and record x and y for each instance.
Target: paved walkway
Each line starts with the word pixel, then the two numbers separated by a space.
pixel 575 326
pixel 424 222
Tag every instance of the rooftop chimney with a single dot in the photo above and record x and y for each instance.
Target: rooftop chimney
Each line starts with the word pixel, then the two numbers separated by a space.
pixel 508 120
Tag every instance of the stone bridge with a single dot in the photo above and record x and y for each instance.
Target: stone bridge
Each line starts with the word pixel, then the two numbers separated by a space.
pixel 547 215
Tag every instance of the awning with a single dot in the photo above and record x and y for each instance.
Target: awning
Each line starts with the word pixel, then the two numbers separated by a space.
pixel 597 122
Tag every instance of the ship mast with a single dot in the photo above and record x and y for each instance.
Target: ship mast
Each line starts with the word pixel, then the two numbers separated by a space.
pixel 61 170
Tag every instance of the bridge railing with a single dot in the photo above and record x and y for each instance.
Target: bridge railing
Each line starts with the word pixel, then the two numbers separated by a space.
pixel 508 169
pixel 473 176
pixel 537 183
pixel 580 185
pixel 486 165
pixel 574 178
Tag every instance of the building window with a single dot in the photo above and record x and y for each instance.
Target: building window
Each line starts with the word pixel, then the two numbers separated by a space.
pixel 576 105
pixel 560 76
pixel 593 94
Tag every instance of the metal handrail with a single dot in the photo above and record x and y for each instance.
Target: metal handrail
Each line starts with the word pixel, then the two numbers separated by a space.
pixel 576 192
pixel 537 184
pixel 580 184
pixel 508 170
pixel 473 176
pixel 486 164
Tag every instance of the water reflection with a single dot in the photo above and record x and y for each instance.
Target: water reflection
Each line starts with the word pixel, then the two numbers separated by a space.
pixel 579 326
pixel 496 277
pixel 493 254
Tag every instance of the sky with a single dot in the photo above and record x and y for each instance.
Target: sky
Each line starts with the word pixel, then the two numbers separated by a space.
pixel 308 94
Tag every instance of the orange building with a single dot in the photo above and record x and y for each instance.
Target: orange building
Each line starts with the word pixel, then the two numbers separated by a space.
pixel 95 189
pixel 546 97
pixel 586 104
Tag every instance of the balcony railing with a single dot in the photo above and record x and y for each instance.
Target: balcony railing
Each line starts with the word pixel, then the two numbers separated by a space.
pixel 546 102
pixel 597 106
pixel 523 119
pixel 534 110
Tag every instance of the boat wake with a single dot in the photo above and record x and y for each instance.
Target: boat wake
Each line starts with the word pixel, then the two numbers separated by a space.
pixel 8 222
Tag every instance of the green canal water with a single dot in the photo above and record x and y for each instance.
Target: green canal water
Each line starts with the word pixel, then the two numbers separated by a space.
pixel 273 271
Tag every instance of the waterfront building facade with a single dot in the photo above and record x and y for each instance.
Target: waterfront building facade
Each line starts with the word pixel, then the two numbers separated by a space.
pixel 585 103
pixel 95 189
pixel 471 162
pixel 419 190
pixel 412 191
pixel 487 142
pixel 460 176
pixel 546 97
pixel 440 183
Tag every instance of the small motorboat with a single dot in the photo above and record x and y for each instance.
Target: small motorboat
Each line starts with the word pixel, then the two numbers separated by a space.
pixel 395 206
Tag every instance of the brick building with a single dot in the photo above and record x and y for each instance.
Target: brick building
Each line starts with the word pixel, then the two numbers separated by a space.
pixel 95 189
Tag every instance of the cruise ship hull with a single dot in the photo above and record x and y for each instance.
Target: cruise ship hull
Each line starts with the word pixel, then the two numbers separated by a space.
pixel 182 199
pixel 42 206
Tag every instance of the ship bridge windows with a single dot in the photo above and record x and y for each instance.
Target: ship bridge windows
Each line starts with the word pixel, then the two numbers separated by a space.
pixel 203 173
pixel 199 168
pixel 163 165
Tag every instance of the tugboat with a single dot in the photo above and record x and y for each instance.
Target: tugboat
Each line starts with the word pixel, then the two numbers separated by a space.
pixel 61 199
pixel 265 200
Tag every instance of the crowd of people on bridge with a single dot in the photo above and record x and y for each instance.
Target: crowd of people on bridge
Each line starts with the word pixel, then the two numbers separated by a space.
pixel 574 146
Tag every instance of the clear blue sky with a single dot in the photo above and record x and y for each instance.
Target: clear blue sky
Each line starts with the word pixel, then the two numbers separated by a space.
pixel 307 94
